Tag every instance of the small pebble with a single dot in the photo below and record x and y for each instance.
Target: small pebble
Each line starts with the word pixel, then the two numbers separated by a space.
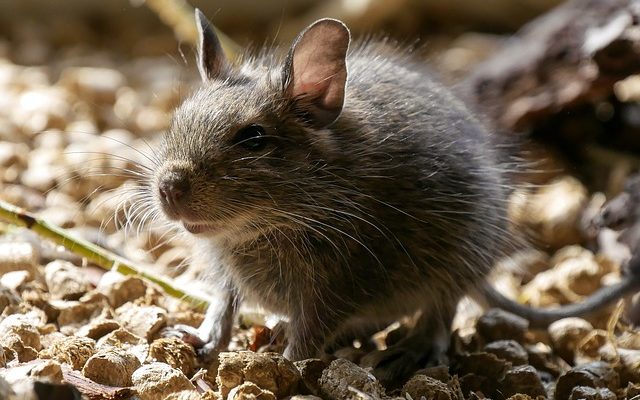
pixel 156 380
pixel 112 367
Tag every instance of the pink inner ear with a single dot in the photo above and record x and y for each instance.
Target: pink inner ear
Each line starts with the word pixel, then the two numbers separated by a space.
pixel 319 69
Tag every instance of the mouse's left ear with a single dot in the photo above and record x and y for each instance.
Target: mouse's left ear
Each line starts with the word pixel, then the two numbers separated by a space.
pixel 212 62
pixel 315 71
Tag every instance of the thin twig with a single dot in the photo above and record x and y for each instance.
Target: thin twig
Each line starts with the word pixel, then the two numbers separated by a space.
pixel 95 254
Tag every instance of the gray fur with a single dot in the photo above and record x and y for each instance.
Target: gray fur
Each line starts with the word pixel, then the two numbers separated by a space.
pixel 396 207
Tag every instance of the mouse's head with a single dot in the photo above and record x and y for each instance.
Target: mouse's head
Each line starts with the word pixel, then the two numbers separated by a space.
pixel 245 148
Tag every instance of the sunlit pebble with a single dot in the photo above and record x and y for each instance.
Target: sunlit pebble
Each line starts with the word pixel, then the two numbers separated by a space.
pixel 51 139
pixel 8 74
pixel 81 130
pixel 13 154
pixel 96 84
pixel 40 109
pixel 127 103
pixel 41 178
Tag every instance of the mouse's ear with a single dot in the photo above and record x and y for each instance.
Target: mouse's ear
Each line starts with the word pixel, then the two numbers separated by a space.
pixel 315 71
pixel 212 62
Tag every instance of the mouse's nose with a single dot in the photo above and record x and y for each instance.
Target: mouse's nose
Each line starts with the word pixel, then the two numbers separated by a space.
pixel 174 189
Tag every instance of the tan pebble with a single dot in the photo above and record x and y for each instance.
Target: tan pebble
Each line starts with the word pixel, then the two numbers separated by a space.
pixel 22 196
pixel 123 339
pixel 424 386
pixel 144 321
pixel 341 377
pixel 304 397
pixel 112 367
pixel 184 395
pixel 81 130
pixel 15 256
pixel 74 351
pixel 127 104
pixel 24 327
pixel 269 371
pixel 48 370
pixel 210 395
pixel 42 108
pixel 13 154
pixel 50 139
pixel 41 178
pixel 73 312
pixel 9 130
pixel 98 327
pixel 187 317
pixel 250 391
pixel 50 338
pixel 149 119
pixel 552 213
pixel 7 298
pixel 65 280
pixel 121 289
pixel 23 352
pixel 93 84
pixel 576 273
pixel 156 380
pixel 568 334
pixel 174 352
pixel 15 279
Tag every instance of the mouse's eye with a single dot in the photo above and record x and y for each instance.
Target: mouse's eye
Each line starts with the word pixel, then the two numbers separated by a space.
pixel 251 137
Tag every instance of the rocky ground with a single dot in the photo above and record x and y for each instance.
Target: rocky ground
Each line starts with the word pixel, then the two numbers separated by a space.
pixel 74 130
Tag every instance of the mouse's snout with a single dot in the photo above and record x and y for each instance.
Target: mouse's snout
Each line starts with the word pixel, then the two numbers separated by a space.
pixel 174 190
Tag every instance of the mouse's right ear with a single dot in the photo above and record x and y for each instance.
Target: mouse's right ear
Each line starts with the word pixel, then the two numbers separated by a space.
pixel 212 62
pixel 315 71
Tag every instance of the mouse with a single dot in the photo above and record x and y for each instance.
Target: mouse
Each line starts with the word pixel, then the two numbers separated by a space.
pixel 332 183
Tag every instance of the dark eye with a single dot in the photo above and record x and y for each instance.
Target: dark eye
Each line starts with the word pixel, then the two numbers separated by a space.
pixel 251 137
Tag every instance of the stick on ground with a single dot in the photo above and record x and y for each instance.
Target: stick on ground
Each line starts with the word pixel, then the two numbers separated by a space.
pixel 95 254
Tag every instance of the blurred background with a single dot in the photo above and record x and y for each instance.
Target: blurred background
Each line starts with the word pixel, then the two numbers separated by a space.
pixel 87 87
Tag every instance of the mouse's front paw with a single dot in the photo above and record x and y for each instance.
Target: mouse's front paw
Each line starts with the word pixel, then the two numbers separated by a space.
pixel 187 334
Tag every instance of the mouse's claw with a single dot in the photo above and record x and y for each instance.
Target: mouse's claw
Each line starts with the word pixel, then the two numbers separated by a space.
pixel 186 333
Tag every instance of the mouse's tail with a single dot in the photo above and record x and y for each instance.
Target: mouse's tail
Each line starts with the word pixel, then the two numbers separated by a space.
pixel 542 317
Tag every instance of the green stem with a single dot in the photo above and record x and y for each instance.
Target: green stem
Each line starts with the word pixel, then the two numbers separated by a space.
pixel 95 254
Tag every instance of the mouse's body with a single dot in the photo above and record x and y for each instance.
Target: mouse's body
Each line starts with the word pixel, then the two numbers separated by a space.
pixel 331 187
pixel 330 202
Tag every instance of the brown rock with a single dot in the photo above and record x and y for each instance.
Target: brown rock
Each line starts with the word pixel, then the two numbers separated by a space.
pixel 595 375
pixel 250 391
pixel 497 324
pixel 65 280
pixel 16 256
pixel 509 350
pixel 420 386
pixel 48 370
pixel 144 321
pixel 174 352
pixel 343 379
pixel 524 380
pixel 74 351
pixel 157 380
pixel 112 367
pixel 268 371
pixel 125 340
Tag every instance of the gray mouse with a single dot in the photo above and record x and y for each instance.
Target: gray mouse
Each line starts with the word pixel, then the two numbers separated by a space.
pixel 335 185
